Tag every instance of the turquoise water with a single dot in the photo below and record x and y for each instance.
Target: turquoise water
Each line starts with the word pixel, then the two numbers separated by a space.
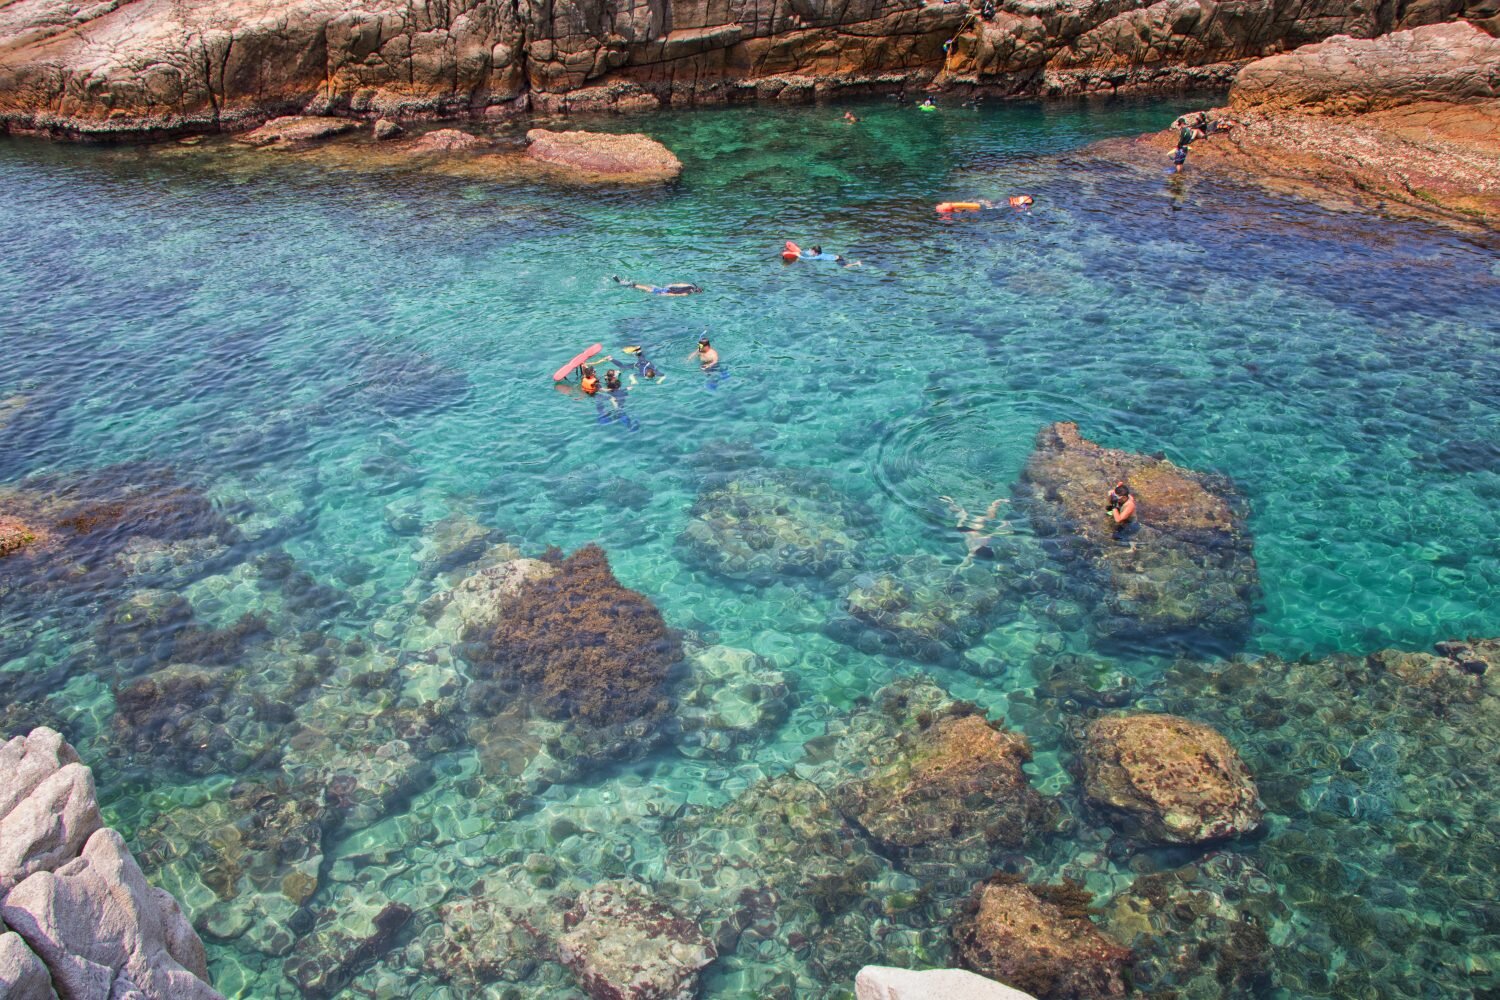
pixel 342 360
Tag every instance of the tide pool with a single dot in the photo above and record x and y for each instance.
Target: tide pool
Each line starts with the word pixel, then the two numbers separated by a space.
pixel 345 361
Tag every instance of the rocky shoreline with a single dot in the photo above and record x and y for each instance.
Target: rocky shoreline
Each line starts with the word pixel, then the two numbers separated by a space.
pixel 1407 125
pixel 135 69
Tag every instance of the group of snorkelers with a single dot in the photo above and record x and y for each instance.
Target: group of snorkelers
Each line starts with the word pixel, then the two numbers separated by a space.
pixel 1190 131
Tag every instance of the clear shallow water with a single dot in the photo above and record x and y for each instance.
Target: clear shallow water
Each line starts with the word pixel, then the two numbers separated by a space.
pixel 342 360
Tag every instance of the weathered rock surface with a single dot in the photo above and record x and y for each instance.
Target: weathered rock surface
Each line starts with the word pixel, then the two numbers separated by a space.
pixel 625 944
pixel 1184 566
pixel 22 974
pixel 1447 63
pixel 1170 780
pixel 73 898
pixel 141 66
pixel 16 534
pixel 597 156
pixel 1407 124
pixel 955 779
pixel 297 130
pixel 384 129
pixel 879 982
pixel 1040 939
pixel 448 140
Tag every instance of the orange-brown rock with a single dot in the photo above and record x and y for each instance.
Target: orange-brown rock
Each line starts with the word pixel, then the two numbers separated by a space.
pixel 142 66
pixel 297 130
pixel 16 534
pixel 1407 124
pixel 956 779
pixel 596 156
pixel 1168 779
pixel 1039 939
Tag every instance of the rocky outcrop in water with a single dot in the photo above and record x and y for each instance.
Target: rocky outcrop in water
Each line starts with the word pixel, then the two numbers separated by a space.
pixel 589 156
pixel 1184 566
pixel 1408 123
pixel 1168 779
pixel 83 922
pixel 921 607
pixel 878 982
pixel 1040 939
pixel 137 66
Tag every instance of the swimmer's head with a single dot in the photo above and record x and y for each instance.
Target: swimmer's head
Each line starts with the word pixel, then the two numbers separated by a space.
pixel 702 343
pixel 817 250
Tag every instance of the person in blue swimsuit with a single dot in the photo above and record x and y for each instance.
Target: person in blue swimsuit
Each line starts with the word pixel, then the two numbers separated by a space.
pixel 816 253
pixel 676 288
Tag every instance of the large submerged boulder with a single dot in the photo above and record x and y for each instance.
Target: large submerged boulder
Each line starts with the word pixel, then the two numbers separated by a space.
pixel 1168 779
pixel 599 156
pixel 1183 566
pixel 761 526
pixel 73 898
pixel 625 943
pixel 955 779
pixel 294 131
pixel 1040 939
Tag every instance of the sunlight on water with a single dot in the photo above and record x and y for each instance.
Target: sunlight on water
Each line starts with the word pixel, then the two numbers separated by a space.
pixel 354 368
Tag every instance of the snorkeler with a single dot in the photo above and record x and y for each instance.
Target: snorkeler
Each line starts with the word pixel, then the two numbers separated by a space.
pixel 641 367
pixel 816 253
pixel 705 355
pixel 979 543
pixel 676 288
pixel 1121 505
pixel 612 381
pixel 589 383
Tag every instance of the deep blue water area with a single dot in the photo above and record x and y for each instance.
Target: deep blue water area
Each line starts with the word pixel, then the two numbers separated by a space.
pixel 341 361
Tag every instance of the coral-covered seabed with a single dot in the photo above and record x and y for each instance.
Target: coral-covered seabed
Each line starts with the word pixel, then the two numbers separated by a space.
pixel 300 561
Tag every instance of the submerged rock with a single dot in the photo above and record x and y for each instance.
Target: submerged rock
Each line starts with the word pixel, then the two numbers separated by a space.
pixel 601 157
pixel 955 779
pixel 922 607
pixel 1201 931
pixel 73 896
pixel 623 943
pixel 1168 779
pixel 448 140
pixel 584 647
pixel 731 697
pixel 1183 566
pixel 760 526
pixel 16 535
pixel 1041 940
pixel 384 129
pixel 297 130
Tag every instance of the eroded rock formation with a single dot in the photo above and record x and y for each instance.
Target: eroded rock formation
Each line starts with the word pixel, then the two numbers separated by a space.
pixel 1408 123
pixel 83 922
pixel 142 66
pixel 598 156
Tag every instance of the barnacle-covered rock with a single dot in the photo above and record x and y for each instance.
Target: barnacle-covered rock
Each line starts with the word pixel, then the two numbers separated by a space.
pixel 1168 779
pixel 624 943
pixel 1041 939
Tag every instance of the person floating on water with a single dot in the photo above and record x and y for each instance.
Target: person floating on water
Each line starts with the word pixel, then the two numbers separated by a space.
pixel 677 288
pixel 850 117
pixel 815 252
pixel 927 105
pixel 589 383
pixel 981 544
pixel 641 367
pixel 612 381
pixel 1121 505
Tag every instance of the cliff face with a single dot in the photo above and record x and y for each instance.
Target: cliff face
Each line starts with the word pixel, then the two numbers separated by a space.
pixel 134 66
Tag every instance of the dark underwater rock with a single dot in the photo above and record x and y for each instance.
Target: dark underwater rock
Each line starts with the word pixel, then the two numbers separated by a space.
pixel 921 607
pixel 1168 779
pixel 583 647
pixel 406 384
pixel 326 962
pixel 1200 932
pixel 760 526
pixel 1039 939
pixel 1185 565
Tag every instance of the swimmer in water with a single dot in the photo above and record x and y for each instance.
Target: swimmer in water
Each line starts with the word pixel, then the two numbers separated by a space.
pixel 816 253
pixel 676 288
pixel 850 117
pixel 979 542
pixel 589 383
pixel 705 354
